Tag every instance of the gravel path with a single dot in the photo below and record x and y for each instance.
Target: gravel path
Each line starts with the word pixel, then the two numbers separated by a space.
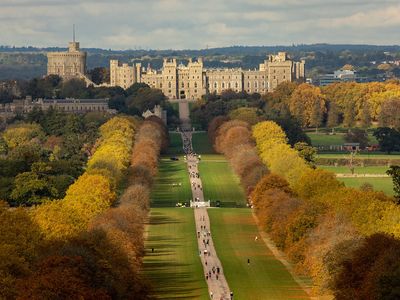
pixel 217 285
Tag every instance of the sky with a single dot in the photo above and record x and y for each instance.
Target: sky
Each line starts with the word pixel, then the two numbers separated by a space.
pixel 198 24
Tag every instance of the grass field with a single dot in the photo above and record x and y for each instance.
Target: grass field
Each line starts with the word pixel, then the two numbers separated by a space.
pixel 220 183
pixel 380 184
pixel 175 143
pixel 323 139
pixel 357 170
pixel 174 269
pixel 201 144
pixel 379 155
pixel 233 232
pixel 164 194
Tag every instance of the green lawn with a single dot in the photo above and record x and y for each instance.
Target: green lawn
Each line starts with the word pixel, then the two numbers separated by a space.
pixel 379 184
pixel 319 139
pixel 164 193
pixel 233 232
pixel 357 170
pixel 323 139
pixel 174 269
pixel 379 155
pixel 175 144
pixel 201 144
pixel 220 183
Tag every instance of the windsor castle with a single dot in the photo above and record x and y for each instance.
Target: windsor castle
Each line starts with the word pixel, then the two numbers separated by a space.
pixel 178 81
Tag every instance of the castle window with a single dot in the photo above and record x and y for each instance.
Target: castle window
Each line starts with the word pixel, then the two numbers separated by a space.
pixel 195 85
pixel 215 85
pixel 236 85
pixel 169 84
pixel 183 85
pixel 223 85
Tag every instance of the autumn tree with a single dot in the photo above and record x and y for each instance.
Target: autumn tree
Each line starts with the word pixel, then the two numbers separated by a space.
pixel 307 103
pixel 333 115
pixel 349 116
pixel 20 240
pixel 390 114
pixel 394 171
pixel 251 115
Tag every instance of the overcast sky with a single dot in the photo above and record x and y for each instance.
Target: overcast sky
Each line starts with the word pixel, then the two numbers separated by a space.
pixel 195 24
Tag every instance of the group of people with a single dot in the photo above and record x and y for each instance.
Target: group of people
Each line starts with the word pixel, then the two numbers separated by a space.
pixel 212 271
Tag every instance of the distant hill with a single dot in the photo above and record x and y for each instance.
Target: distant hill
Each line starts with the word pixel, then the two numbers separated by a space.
pixel 29 62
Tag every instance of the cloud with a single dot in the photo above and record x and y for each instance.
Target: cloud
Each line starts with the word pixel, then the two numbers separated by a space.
pixel 166 24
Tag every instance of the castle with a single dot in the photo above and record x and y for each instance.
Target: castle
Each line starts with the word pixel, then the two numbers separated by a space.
pixel 68 64
pixel 192 81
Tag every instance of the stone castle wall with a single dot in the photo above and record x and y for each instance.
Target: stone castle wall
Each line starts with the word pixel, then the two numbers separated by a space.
pixel 192 81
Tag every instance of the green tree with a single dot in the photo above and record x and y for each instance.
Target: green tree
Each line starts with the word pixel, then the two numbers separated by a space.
pixel 74 88
pixel 394 171
pixel 388 139
pixel 307 152
pixel 100 75
pixel 31 188
pixel 356 135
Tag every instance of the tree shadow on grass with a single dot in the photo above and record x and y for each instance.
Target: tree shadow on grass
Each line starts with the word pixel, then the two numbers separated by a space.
pixel 169 277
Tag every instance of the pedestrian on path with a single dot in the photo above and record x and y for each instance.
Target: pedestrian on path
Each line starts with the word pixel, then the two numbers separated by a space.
pixel 211 295
pixel 248 261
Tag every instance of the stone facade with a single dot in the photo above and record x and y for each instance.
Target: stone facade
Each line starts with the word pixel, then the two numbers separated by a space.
pixel 69 64
pixel 193 80
pixel 22 106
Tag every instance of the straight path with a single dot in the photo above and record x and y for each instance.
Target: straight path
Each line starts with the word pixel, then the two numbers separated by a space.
pixel 217 285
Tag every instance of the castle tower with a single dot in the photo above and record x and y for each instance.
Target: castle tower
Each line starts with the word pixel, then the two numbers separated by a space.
pixel 69 64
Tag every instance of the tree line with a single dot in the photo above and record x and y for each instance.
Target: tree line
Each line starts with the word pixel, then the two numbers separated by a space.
pixel 346 104
pixel 89 244
pixel 132 101
pixel 346 239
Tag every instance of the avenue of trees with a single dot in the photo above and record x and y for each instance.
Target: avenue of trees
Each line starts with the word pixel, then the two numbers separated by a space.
pixel 347 240
pixel 90 243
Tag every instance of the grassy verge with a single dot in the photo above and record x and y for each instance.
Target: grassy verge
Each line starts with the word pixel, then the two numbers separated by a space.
pixel 379 155
pixel 379 184
pixel 175 144
pixel 166 192
pixel 323 139
pixel 357 170
pixel 201 144
pixel 233 232
pixel 220 183
pixel 174 268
